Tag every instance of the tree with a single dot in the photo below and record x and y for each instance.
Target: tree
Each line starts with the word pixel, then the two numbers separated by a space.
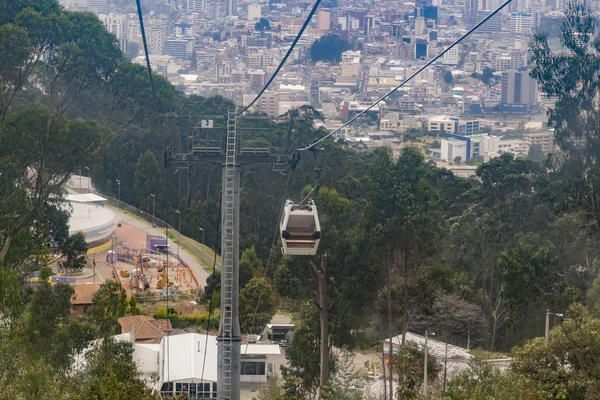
pixel 566 365
pixel 400 226
pixel 74 252
pixel 535 152
pixel 532 278
pixel 114 376
pixel 55 147
pixel 148 179
pixel 262 25
pixel 570 76
pixel 258 302
pixel 457 160
pixel 483 381
pixel 328 48
pixel 109 304
pixel 249 264
pixel 447 75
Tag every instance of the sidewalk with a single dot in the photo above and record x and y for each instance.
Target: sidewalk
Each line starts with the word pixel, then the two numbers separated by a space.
pixel 189 259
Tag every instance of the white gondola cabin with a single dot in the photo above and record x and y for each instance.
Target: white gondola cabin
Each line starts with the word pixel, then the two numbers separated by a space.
pixel 300 229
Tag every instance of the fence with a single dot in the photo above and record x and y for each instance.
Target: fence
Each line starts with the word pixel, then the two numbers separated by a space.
pixel 204 253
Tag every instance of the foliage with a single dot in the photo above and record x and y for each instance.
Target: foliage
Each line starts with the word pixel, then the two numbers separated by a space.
pixel 262 25
pixel 328 48
pixel 113 374
pixel 249 264
pixel 410 366
pixel 483 381
pixel 566 366
pixel 73 251
pixel 486 76
pixel 570 76
pixel 109 304
pixel 257 304
pixel 447 75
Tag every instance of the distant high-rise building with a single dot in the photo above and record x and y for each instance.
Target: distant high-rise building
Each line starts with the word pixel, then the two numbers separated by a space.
pixel 197 5
pixel 368 24
pixel 157 38
pixel 254 12
pixel 521 22
pixel 231 7
pixel 470 12
pixel 519 91
pixel 179 48
pixel 427 12
pixel 420 49
pixel 492 25
pixel 323 20
pixel 419 25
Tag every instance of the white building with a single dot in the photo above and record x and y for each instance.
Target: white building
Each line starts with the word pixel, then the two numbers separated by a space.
pixel 187 363
pixel 454 149
pixel 523 22
pixel 254 12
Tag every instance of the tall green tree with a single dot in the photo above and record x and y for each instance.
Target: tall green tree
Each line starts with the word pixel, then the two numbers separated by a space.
pixel 109 304
pixel 570 75
pixel 148 180
pixel 400 228
pixel 258 303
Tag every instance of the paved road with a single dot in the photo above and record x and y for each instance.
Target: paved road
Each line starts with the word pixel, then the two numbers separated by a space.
pixel 189 259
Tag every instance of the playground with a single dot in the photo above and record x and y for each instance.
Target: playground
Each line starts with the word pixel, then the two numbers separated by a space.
pixel 144 265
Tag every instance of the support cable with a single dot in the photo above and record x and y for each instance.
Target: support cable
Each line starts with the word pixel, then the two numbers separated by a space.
pixel 312 12
pixel 473 29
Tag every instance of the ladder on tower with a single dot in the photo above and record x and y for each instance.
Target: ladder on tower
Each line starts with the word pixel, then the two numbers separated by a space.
pixel 228 254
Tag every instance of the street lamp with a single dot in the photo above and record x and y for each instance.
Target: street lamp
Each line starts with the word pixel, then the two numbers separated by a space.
pixel 179 229
pixel 119 183
pixel 153 205
pixel 88 177
pixel 547 330
pixel 425 363
pixel 80 178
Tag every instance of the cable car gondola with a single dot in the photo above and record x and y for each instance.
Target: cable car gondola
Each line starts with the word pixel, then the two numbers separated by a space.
pixel 300 229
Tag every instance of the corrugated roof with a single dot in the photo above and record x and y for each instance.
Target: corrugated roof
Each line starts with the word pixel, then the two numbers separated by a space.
pixel 84 293
pixel 260 349
pixel 186 355
pixel 85 198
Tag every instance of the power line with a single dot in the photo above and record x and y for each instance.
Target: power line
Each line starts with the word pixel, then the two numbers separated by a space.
pixel 473 29
pixel 312 12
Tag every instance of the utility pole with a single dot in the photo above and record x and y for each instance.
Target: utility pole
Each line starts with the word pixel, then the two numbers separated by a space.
pixel 179 230
pixel 153 205
pixel 425 350
pixel 324 322
pixel 88 178
pixel 547 325
pixel 231 155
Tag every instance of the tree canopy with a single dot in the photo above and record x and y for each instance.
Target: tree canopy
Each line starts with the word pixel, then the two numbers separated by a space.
pixel 328 48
